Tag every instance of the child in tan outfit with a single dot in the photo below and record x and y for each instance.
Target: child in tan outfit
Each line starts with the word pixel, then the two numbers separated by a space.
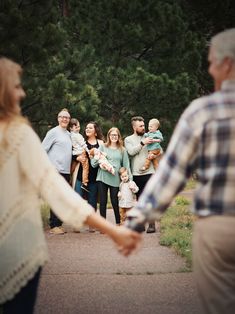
pixel 79 148
pixel 126 194
pixel 155 150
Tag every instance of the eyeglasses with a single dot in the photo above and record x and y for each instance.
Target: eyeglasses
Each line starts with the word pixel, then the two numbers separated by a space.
pixel 113 135
pixel 64 117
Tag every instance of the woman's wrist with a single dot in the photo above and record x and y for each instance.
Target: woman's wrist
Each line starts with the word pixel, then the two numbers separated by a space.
pixel 96 221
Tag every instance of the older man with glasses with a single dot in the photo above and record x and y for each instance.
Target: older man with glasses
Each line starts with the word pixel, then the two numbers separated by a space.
pixel 57 143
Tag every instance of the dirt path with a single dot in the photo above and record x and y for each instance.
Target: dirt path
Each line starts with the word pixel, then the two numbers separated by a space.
pixel 87 275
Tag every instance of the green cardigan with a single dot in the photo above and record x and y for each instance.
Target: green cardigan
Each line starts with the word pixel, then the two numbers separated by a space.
pixel 118 158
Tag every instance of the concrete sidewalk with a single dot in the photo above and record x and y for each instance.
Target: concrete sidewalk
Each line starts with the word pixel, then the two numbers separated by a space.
pixel 87 275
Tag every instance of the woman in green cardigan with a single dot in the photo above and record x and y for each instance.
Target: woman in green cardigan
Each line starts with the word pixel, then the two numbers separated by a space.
pixel 118 157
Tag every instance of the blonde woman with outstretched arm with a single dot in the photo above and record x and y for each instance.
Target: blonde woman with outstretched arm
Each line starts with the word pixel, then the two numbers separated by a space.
pixel 26 174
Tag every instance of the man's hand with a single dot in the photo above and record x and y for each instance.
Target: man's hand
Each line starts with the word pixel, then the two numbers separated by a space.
pixel 148 140
pixel 156 140
pixel 126 240
pixel 135 220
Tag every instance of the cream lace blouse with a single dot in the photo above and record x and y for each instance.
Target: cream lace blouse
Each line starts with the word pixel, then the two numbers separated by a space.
pixel 26 174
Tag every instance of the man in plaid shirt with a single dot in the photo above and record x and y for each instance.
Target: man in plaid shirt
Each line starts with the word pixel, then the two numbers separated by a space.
pixel 204 141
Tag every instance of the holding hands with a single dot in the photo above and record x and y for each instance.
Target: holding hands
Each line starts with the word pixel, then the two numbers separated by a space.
pixel 126 239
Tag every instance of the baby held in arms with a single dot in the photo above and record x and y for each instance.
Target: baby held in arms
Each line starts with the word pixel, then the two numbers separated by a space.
pixel 102 159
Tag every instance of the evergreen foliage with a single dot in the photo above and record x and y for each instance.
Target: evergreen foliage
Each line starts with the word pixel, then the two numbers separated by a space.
pixel 110 60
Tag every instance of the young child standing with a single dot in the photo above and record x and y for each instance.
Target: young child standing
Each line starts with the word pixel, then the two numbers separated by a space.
pixel 154 148
pixel 80 148
pixel 126 194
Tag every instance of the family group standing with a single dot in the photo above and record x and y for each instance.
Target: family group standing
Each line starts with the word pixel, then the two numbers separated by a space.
pixel 98 162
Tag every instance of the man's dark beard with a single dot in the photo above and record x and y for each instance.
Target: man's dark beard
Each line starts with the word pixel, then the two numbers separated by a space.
pixel 140 133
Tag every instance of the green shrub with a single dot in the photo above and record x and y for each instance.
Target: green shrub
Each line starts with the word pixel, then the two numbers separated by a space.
pixel 191 183
pixel 181 200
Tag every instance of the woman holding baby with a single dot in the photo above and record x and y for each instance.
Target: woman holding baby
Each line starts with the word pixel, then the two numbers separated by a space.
pixel 94 138
pixel 117 156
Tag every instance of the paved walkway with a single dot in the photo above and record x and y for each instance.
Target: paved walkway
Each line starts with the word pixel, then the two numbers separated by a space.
pixel 87 275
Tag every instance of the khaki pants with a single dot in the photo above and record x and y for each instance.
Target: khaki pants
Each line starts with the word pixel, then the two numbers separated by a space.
pixel 85 168
pixel 154 156
pixel 122 212
pixel 214 263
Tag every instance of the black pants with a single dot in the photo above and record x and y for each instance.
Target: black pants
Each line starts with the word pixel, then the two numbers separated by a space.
pixel 54 221
pixel 24 301
pixel 103 193
pixel 141 182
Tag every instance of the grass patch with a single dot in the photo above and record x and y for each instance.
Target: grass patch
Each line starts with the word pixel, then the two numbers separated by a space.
pixel 45 210
pixel 181 200
pixel 176 229
pixel 191 183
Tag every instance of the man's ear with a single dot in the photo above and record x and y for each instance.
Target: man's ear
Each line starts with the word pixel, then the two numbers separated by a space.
pixel 229 65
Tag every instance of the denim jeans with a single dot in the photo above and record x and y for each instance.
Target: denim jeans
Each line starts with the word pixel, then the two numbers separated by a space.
pixel 90 196
pixel 54 221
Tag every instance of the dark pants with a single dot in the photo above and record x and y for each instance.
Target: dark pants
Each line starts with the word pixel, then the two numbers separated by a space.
pixel 141 182
pixel 24 301
pixel 103 193
pixel 90 196
pixel 54 221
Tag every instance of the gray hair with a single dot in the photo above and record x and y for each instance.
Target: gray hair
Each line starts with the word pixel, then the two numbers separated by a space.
pixel 224 44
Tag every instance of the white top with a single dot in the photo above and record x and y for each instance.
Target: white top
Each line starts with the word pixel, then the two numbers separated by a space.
pixel 137 154
pixel 127 196
pixel 26 174
pixel 79 143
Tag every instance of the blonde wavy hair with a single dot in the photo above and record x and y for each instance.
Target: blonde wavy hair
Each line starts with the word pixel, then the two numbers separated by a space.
pixel 9 111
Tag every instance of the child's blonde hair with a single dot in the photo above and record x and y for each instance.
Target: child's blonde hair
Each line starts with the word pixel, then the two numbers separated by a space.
pixel 122 170
pixel 156 122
